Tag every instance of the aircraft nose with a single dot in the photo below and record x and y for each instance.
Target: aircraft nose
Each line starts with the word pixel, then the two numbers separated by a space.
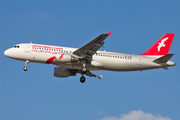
pixel 7 52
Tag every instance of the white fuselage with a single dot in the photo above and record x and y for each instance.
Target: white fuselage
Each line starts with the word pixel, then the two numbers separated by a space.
pixel 100 61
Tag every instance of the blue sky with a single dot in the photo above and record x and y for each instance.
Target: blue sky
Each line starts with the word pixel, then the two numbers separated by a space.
pixel 135 25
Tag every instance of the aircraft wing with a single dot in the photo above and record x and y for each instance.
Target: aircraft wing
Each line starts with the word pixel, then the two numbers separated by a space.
pixel 90 48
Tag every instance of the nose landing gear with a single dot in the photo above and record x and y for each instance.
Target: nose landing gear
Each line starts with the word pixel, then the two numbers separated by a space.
pixel 26 64
pixel 25 68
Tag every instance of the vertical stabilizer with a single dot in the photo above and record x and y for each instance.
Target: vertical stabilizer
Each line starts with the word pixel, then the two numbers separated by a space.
pixel 161 47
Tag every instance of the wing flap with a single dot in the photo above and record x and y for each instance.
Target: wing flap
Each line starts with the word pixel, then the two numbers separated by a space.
pixel 92 75
pixel 88 73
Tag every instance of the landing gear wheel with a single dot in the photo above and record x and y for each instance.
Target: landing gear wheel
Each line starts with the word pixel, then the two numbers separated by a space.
pixel 82 79
pixel 25 68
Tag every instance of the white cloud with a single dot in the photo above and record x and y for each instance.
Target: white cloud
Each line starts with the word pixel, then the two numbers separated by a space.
pixel 137 115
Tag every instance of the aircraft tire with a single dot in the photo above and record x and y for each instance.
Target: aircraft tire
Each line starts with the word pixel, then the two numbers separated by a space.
pixel 82 79
pixel 25 68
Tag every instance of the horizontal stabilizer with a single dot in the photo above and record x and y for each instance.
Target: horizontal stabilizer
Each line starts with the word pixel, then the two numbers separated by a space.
pixel 165 68
pixel 164 58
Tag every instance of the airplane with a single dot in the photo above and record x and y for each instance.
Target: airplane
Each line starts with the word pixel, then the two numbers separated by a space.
pixel 87 58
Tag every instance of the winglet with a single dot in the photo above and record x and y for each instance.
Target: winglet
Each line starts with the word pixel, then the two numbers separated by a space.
pixel 109 33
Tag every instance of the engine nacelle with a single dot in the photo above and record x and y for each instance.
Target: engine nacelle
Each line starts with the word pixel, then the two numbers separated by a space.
pixel 65 57
pixel 63 72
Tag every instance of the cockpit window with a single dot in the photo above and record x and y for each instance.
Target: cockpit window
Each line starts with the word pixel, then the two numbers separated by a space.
pixel 16 46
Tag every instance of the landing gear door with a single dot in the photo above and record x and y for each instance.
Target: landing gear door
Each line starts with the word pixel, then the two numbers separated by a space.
pixel 139 60
pixel 27 47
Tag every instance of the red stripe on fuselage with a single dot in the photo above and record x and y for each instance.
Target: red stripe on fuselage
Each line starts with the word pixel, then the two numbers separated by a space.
pixel 49 61
pixel 61 57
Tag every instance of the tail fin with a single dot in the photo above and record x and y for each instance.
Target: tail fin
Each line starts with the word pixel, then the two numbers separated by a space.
pixel 161 47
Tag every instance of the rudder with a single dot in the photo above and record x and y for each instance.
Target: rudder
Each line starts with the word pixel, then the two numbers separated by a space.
pixel 162 46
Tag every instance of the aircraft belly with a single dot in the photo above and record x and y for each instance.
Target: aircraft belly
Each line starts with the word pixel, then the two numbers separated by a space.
pixel 115 64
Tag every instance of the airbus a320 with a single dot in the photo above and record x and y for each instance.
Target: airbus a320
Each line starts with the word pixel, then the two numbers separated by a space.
pixel 87 58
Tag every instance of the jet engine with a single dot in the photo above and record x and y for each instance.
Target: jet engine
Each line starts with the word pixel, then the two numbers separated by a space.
pixel 65 57
pixel 63 72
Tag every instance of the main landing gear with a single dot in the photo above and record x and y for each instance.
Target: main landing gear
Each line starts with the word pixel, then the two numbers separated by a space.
pixel 26 64
pixel 82 79
pixel 84 70
pixel 88 73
